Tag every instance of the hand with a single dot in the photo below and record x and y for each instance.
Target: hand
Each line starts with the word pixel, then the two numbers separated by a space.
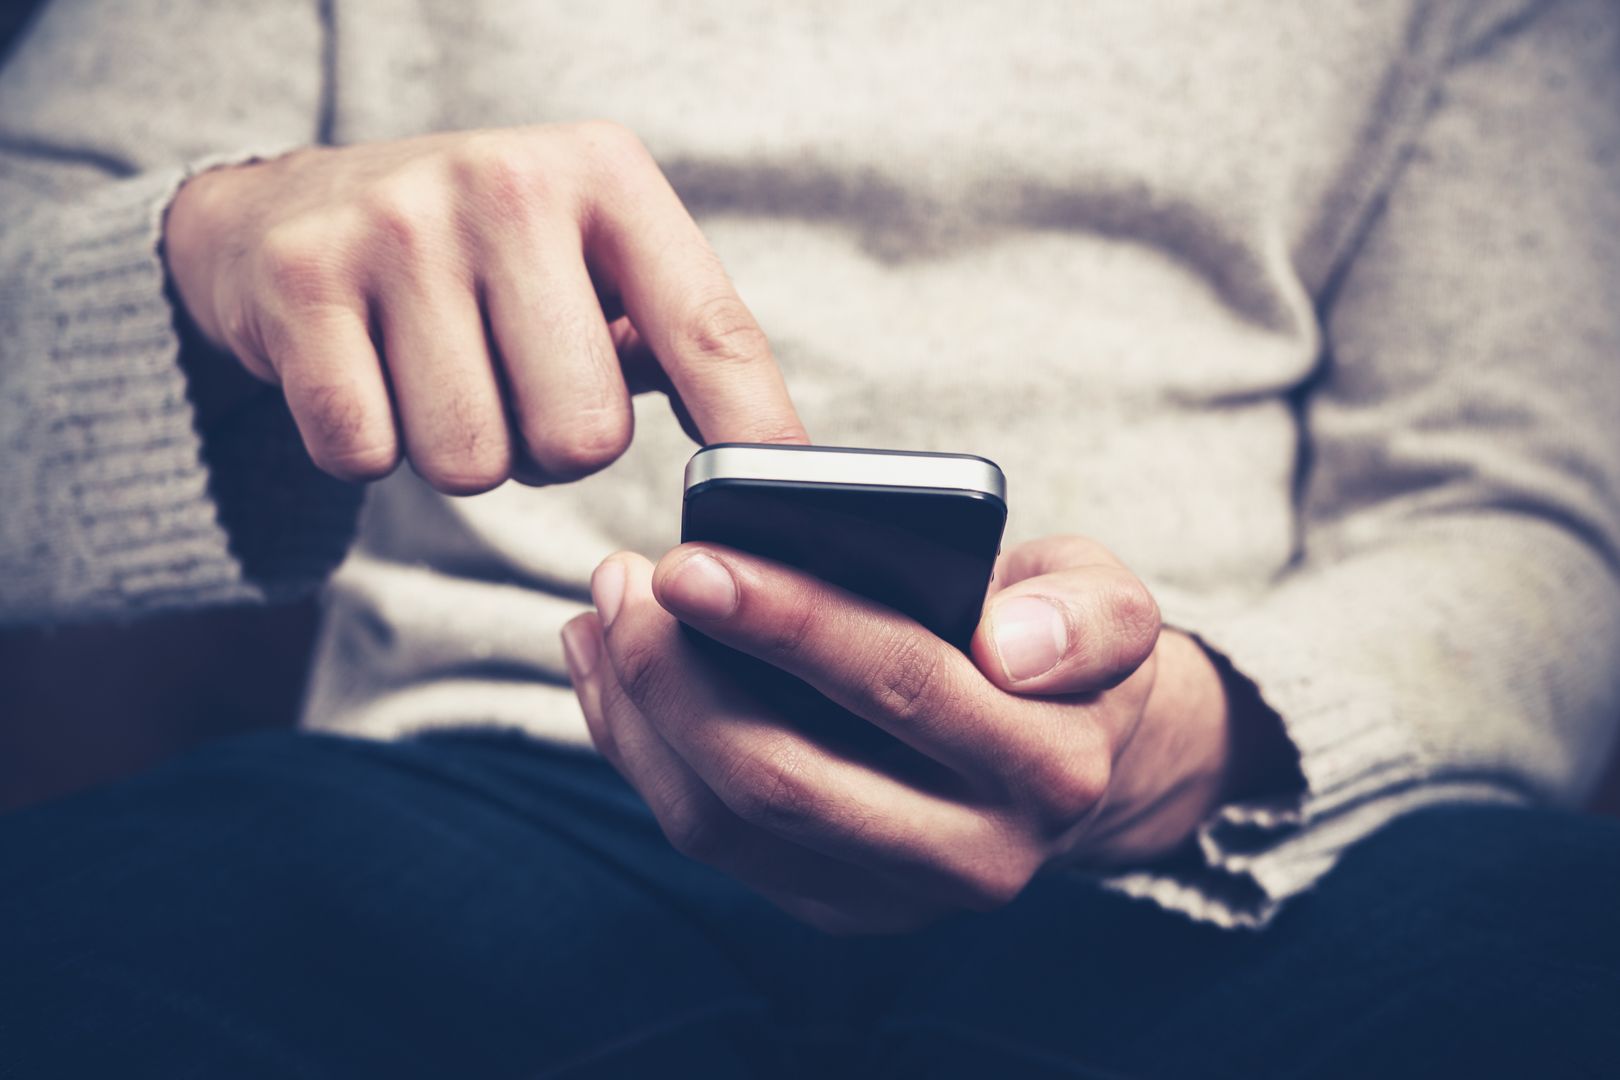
pixel 1077 729
pixel 484 301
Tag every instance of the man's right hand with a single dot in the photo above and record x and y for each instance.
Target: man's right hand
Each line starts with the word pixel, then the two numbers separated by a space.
pixel 483 303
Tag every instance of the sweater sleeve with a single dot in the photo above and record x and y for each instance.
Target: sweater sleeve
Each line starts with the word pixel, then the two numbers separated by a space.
pixel 1450 629
pixel 114 502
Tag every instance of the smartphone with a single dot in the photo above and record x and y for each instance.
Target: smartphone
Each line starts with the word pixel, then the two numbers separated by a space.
pixel 914 531
pixel 918 532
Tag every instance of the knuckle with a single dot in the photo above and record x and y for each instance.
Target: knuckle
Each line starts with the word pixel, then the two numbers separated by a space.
pixel 342 436
pixel 907 681
pixel 640 665
pixel 462 472
pixel 397 213
pixel 772 791
pixel 1134 615
pixel 456 478
pixel 591 440
pixel 361 462
pixel 1064 788
pixel 994 883
pixel 473 453
pixel 721 330
pixel 693 831
pixel 299 266
pixel 499 171
pixel 790 628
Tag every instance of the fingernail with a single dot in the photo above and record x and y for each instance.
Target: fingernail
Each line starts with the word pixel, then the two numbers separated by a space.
pixel 1030 636
pixel 607 590
pixel 701 587
pixel 580 648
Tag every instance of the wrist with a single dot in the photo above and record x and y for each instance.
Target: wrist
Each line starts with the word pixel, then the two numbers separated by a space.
pixel 1206 739
pixel 1171 772
pixel 216 382
pixel 1237 745
pixel 198 229
pixel 1190 698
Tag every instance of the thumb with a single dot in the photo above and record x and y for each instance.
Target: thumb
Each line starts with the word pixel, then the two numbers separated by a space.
pixel 1073 631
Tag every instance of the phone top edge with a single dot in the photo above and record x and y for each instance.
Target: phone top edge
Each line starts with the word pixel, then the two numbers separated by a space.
pixel 817 448
pixel 846 466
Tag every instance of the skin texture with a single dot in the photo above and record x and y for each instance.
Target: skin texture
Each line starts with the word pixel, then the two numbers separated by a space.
pixel 481 303
pixel 1112 755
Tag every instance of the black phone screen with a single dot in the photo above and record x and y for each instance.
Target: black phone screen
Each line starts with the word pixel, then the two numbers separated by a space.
pixel 927 553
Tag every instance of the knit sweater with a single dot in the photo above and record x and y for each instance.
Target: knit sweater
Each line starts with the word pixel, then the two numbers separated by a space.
pixel 1305 310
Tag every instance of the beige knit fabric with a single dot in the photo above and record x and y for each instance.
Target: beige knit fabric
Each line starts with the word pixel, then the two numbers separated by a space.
pixel 1305 310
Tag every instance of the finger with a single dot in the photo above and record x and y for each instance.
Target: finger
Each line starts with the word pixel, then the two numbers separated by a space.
pixel 568 396
pixel 888 670
pixel 642 373
pixel 582 653
pixel 1075 631
pixel 814 887
pixel 333 382
pixel 774 777
pixel 651 252
pixel 902 678
pixel 445 387
pixel 1047 555
pixel 636 360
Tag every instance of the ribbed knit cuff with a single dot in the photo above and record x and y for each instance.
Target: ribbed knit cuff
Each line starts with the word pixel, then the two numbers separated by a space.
pixel 125 518
pixel 1360 767
pixel 122 494
pixel 289 523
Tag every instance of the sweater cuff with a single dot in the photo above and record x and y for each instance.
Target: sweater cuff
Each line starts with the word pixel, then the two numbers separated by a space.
pixel 132 497
pixel 1360 765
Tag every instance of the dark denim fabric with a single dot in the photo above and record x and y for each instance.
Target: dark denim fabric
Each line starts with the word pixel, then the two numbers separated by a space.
pixel 482 906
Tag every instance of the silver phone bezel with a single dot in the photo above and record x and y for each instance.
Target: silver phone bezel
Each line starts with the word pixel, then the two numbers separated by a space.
pixel 847 466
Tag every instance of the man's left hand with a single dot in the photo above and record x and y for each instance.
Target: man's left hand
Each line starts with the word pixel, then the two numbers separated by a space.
pixel 1077 729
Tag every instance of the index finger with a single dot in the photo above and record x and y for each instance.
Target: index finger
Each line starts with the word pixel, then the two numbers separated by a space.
pixel 682 303
pixel 866 658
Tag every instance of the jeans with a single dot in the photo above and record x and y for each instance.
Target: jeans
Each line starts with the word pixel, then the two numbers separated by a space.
pixel 478 905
